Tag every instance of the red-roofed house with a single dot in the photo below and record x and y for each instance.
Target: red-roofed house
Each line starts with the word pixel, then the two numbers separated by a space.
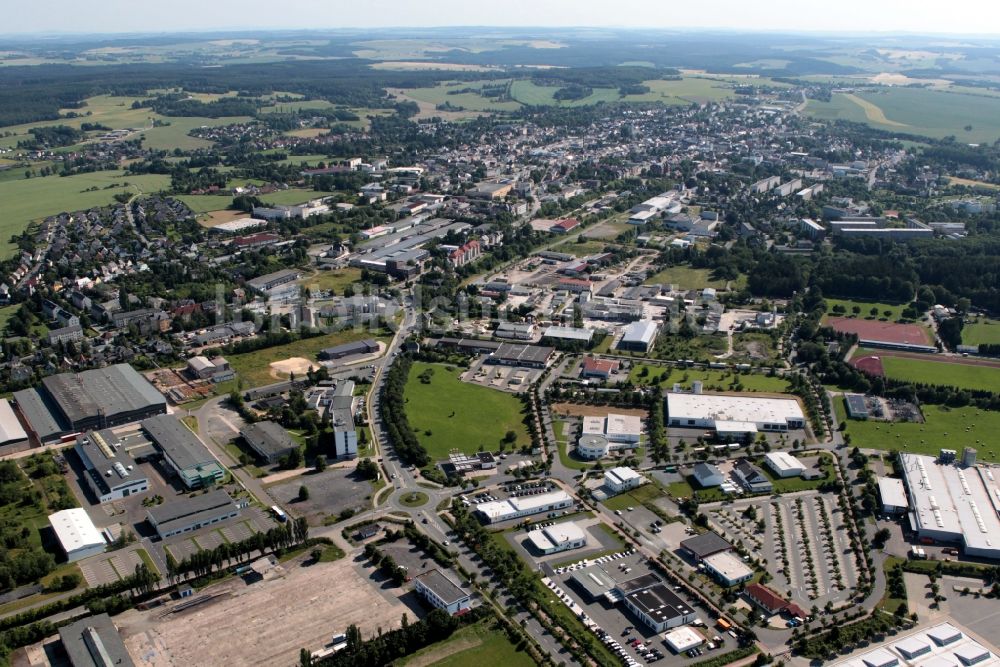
pixel 565 226
pixel 772 603
pixel 598 368
pixel 256 240
pixel 464 254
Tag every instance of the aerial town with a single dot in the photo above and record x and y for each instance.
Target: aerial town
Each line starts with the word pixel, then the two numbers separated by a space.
pixel 350 374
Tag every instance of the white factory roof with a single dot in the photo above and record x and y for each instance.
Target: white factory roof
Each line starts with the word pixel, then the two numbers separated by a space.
pixel 727 565
pixel 498 509
pixel 728 426
pixel 623 474
pixel 239 225
pixel 683 638
pixel 75 530
pixel 557 535
pixel 10 428
pixel 593 425
pixel 721 407
pixel 643 331
pixel 784 461
pixel 951 499
pixel 943 645
pixel 892 491
pixel 623 425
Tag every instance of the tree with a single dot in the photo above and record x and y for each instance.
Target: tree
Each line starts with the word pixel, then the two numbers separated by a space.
pixel 510 437
pixel 320 463
pixel 303 493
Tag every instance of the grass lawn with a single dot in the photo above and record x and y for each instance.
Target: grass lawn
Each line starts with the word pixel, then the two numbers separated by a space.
pixel 481 644
pixel 581 249
pixel 6 313
pixel 206 203
pixel 448 414
pixel 953 428
pixel 335 280
pixel 331 553
pixel 792 484
pixel 685 277
pixel 634 498
pixel 414 499
pixel 31 199
pixel 964 376
pixel 689 487
pixel 981 331
pixel 712 380
pixel 254 367
pixel 896 310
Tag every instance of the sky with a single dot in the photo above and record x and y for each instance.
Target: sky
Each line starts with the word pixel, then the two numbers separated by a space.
pixel 856 16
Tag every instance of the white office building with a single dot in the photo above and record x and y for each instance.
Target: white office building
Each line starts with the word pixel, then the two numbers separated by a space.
pixel 621 479
pixel 727 568
pixel 441 592
pixel 77 534
pixel 558 537
pixel 592 447
pixel 784 464
pixel 514 508
pixel 621 429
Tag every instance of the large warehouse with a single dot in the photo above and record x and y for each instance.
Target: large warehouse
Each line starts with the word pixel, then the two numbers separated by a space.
pixel 77 534
pixel 13 437
pixel 639 336
pixel 514 508
pixel 953 503
pixel 75 402
pixel 733 415
pixel 182 515
pixel 557 537
pixel 183 451
pixel 111 473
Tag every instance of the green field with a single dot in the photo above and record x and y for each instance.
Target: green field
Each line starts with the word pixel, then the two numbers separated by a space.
pixel 963 376
pixel 335 280
pixel 297 105
pixel 981 331
pixel 206 203
pixel 254 367
pixel 31 199
pixel 470 101
pixel 528 93
pixel 688 90
pixel 951 428
pixel 482 644
pixel 713 380
pixel 685 277
pixel 646 493
pixel 923 111
pixel 896 310
pixel 459 415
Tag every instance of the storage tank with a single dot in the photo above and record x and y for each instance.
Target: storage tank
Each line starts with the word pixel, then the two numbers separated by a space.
pixel 969 457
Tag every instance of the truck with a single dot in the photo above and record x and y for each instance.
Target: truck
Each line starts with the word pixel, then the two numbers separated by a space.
pixel 723 624
pixel 279 513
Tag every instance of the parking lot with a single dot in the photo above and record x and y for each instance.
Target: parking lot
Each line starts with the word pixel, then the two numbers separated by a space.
pixel 111 567
pixel 622 630
pixel 506 378
pixel 251 520
pixel 798 538
pixel 330 492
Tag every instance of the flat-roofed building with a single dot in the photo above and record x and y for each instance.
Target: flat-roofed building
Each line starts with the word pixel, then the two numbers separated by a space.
pixel 185 514
pixel 514 508
pixel 943 645
pixel 598 368
pixel 616 428
pixel 683 639
pixel 892 492
pixel 727 568
pixel 94 642
pixel 557 537
pixel 77 534
pixel 857 407
pixel 367 346
pixel 784 464
pixel 12 433
pixel 110 472
pixel 659 608
pixel 515 330
pixel 269 440
pixel 513 354
pixel 569 335
pixel 953 503
pixel 183 451
pixel 639 336
pixel 441 592
pixel 696 410
pixel 592 447
pixel 271 281
pixel 594 581
pixel 704 545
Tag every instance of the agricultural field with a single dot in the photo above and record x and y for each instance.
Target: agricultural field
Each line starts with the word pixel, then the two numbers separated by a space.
pixel 254 368
pixel 965 375
pixel 483 644
pixel 529 93
pixel 981 331
pixel 208 203
pixel 924 111
pixel 688 90
pixel 685 277
pixel 448 414
pixel 26 200
pixel 953 428
pixel 713 380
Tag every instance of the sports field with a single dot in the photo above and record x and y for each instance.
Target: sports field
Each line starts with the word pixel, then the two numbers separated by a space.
pixel 953 372
pixel 889 332
pixel 981 331
pixel 951 428
pixel 448 414
pixel 924 111
pixel 31 199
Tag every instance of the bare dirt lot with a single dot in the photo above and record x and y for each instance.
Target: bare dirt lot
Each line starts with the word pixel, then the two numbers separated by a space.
pixel 574 410
pixel 298 365
pixel 265 623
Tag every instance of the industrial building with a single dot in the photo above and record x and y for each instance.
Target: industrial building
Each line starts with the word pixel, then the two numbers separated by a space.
pixel 513 354
pixel 77 534
pixel 659 607
pixel 271 281
pixel 857 408
pixel 442 592
pixel 183 451
pixel 269 440
pixel 784 464
pixel 184 514
pixel 95 399
pixel 513 508
pixel 94 642
pixel 557 537
pixel 367 346
pixel 938 646
pixel 571 335
pixel 683 639
pixel 727 568
pixel 616 428
pixel 621 479
pixel 954 502
pixel 13 437
pixel 592 447
pixel 111 473
pixel 639 336
pixel 893 495
pixel 733 415
pixel 598 368
pixel 702 546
